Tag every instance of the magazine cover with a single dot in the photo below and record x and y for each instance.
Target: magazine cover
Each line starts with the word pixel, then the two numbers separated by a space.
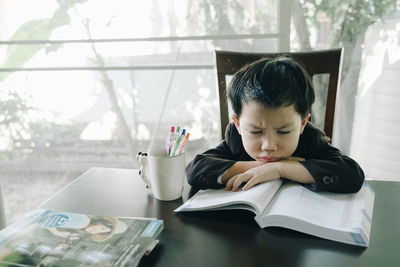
pixel 52 238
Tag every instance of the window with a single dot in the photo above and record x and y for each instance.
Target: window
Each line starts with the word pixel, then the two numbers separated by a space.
pixel 90 83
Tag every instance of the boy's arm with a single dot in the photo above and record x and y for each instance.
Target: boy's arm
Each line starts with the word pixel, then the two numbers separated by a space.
pixel 326 168
pixel 289 169
pixel 332 170
pixel 204 170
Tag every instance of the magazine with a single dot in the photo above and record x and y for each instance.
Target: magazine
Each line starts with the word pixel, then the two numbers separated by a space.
pixel 53 238
pixel 344 218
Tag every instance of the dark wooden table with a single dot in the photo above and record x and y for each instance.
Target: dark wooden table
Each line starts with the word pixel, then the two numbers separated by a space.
pixel 229 238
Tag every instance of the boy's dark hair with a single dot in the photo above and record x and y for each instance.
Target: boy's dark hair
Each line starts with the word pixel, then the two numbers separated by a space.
pixel 274 83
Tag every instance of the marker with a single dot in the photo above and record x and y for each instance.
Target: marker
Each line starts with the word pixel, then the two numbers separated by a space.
pixel 176 134
pixel 180 143
pixel 169 141
pixel 177 142
pixel 184 143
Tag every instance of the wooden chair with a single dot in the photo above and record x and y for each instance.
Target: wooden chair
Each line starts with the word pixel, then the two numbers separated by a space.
pixel 315 62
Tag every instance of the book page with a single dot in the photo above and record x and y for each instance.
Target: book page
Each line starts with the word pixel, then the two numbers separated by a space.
pixel 329 210
pixel 257 198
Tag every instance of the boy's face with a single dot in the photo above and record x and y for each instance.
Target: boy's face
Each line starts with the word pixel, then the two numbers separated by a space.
pixel 269 134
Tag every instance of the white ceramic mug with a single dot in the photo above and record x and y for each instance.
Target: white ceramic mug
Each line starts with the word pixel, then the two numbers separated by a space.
pixel 164 175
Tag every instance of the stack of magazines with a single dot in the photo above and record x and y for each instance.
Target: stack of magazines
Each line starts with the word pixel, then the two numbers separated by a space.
pixel 51 238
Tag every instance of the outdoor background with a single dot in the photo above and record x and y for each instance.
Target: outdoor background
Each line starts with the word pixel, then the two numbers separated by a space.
pixel 88 83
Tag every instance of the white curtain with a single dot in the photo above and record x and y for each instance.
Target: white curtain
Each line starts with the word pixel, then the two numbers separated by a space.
pixel 376 134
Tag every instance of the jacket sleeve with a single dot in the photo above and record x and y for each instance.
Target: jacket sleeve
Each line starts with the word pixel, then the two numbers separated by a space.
pixel 331 169
pixel 204 170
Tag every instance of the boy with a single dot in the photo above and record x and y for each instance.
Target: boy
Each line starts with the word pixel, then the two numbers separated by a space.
pixel 271 136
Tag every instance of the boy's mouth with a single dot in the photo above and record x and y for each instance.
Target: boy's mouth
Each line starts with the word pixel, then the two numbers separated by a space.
pixel 267 159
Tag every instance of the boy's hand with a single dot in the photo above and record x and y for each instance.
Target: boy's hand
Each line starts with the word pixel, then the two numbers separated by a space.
pixel 257 175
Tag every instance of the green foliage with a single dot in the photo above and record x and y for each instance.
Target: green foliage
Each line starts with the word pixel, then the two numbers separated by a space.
pixel 350 19
pixel 38 29
pixel 20 121
pixel 17 55
pixel 14 109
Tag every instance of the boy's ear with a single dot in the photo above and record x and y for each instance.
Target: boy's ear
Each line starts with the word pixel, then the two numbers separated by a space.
pixel 304 122
pixel 236 122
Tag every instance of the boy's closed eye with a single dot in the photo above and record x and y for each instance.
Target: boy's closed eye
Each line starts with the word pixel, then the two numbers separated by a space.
pixel 279 132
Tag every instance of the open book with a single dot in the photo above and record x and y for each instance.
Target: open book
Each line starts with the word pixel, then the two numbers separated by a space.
pixel 53 238
pixel 341 217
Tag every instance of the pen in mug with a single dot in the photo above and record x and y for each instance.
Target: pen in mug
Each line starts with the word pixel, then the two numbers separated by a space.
pixel 176 133
pixel 182 138
pixel 169 141
pixel 177 142
pixel 181 149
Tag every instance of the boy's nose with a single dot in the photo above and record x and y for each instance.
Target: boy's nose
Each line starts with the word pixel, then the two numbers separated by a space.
pixel 268 144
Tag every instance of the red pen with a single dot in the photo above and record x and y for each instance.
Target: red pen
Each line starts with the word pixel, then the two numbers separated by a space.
pixel 170 140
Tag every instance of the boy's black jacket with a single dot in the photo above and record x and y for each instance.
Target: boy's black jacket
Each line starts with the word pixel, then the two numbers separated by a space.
pixel 331 169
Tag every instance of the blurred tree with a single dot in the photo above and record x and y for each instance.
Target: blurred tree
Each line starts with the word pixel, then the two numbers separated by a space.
pixel 14 125
pixel 112 95
pixel 41 29
pixel 15 122
pixel 36 29
pixel 348 22
pixel 233 17
pixel 23 126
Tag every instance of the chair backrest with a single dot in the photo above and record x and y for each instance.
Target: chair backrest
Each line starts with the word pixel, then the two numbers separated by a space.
pixel 315 62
